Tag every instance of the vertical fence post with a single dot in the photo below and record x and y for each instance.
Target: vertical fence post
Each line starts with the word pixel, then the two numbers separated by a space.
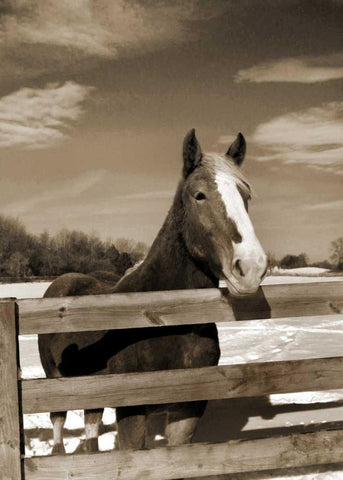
pixel 10 455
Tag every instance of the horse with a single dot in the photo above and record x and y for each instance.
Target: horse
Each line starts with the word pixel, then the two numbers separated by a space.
pixel 207 236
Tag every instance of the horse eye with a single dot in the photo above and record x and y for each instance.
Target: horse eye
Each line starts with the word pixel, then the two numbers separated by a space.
pixel 200 196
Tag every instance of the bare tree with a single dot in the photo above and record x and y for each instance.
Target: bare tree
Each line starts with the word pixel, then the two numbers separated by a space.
pixel 337 253
pixel 17 265
pixel 137 250
pixel 294 261
pixel 271 261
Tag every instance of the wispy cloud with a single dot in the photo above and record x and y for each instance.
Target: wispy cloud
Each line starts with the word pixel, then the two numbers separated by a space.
pixel 90 193
pixel 315 126
pixel 101 27
pixel 35 118
pixel 312 137
pixel 300 70
pixel 56 192
pixel 158 194
pixel 333 205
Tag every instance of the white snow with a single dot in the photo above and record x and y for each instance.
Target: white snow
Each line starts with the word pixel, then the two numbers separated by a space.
pixel 283 279
pixel 301 271
pixel 23 290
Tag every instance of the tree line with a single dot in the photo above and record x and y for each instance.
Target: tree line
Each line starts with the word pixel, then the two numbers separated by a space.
pixel 335 261
pixel 23 254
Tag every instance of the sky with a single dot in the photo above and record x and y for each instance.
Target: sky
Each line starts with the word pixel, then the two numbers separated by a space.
pixel 96 97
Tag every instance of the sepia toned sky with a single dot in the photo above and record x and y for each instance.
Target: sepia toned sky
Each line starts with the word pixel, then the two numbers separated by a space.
pixel 96 97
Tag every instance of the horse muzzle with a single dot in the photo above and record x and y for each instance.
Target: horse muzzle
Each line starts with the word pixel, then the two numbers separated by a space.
pixel 244 276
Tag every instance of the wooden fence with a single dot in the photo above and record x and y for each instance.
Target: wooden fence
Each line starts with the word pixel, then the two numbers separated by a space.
pixel 306 301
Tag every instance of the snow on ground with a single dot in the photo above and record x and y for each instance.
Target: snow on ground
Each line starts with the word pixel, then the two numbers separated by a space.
pixel 300 271
pixel 285 279
pixel 38 430
pixel 23 290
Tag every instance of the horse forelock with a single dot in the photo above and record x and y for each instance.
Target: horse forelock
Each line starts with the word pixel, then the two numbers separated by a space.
pixel 225 170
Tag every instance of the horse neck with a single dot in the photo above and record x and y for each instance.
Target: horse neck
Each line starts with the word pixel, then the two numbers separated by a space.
pixel 168 265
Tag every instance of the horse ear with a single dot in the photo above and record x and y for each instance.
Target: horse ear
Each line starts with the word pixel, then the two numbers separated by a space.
pixel 191 153
pixel 237 150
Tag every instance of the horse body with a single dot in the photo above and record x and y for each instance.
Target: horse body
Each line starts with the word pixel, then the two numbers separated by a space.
pixel 198 244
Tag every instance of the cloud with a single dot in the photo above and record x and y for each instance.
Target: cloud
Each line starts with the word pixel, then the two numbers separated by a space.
pixel 158 194
pixel 101 27
pixel 312 137
pixel 333 205
pixel 90 193
pixel 56 192
pixel 35 118
pixel 300 70
pixel 59 23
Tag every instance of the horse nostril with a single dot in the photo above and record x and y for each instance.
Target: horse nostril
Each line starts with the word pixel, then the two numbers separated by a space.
pixel 238 267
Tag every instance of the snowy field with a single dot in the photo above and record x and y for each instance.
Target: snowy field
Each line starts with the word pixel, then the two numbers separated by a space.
pixel 23 290
pixel 311 271
pixel 223 419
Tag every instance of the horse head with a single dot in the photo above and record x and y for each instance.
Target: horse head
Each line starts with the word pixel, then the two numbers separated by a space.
pixel 217 229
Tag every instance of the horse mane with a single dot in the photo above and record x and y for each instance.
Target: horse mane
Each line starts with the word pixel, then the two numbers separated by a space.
pixel 131 270
pixel 222 166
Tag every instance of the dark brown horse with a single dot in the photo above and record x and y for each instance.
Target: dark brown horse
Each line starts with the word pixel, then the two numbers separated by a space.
pixel 206 236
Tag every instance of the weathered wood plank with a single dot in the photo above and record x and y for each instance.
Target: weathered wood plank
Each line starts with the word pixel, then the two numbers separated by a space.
pixel 124 310
pixel 298 450
pixel 209 383
pixel 10 462
pixel 132 310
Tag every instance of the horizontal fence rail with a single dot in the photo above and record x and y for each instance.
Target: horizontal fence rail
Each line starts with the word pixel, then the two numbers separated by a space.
pixel 167 386
pixel 298 450
pixel 152 309
pixel 158 309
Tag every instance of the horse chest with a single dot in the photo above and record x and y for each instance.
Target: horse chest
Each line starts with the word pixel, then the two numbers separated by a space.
pixel 157 350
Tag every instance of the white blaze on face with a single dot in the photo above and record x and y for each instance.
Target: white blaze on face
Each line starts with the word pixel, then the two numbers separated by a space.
pixel 249 251
pixel 236 211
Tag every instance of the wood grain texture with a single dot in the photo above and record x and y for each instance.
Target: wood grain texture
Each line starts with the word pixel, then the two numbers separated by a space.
pixel 298 450
pixel 10 463
pixel 147 309
pixel 209 383
pixel 122 310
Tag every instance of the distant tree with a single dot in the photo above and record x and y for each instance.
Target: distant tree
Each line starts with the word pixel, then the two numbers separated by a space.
pixel 15 245
pixel 271 261
pixel 294 261
pixel 17 265
pixel 337 253
pixel 112 254
pixel 124 262
pixel 13 237
pixel 22 254
pixel 41 255
pixel 303 258
pixel 136 250
pixel 124 244
pixel 322 264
